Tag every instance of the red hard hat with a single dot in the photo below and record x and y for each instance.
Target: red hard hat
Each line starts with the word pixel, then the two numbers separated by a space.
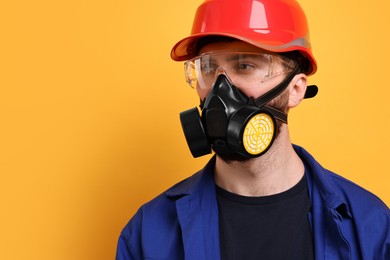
pixel 273 25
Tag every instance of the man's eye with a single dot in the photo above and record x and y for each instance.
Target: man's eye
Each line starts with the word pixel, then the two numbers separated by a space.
pixel 244 67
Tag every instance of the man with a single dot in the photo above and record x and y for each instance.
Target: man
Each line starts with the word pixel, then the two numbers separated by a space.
pixel 259 197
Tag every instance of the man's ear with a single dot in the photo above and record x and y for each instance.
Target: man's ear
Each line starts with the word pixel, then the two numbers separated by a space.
pixel 297 90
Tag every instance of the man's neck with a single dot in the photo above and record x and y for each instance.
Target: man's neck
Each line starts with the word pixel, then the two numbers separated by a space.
pixel 279 169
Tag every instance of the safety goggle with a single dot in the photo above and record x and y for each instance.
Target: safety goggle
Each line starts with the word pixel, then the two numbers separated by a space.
pixel 244 69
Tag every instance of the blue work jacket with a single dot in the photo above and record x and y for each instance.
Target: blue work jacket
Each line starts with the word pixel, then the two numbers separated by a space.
pixel 347 221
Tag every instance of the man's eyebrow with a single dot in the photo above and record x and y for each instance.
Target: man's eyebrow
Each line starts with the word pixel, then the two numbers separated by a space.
pixel 236 57
pixel 231 57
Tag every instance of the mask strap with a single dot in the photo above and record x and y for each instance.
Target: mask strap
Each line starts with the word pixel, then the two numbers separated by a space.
pixel 281 116
pixel 273 93
pixel 276 91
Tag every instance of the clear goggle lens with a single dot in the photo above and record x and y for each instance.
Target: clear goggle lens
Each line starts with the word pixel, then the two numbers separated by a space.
pixel 244 69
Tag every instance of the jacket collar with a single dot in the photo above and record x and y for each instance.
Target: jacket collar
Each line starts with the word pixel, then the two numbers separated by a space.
pixel 318 175
pixel 329 209
pixel 197 212
pixel 322 179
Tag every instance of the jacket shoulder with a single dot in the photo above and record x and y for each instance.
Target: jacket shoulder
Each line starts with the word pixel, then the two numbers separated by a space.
pixel 356 194
pixel 336 189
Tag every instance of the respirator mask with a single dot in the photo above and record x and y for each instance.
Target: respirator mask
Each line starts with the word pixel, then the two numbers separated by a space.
pixel 230 123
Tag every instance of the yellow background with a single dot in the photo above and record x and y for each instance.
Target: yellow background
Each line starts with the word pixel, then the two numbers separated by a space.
pixel 89 104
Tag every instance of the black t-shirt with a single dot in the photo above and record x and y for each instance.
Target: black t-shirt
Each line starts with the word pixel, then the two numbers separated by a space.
pixel 267 228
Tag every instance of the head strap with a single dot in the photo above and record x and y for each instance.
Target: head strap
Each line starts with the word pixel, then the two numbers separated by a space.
pixel 276 91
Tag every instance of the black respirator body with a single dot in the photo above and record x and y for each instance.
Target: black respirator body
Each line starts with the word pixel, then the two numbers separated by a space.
pixel 230 123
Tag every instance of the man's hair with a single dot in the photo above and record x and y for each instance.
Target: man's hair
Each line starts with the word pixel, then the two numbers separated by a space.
pixel 298 58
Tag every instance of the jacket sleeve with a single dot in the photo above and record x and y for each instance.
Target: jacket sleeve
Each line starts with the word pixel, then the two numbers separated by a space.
pixel 129 243
pixel 123 251
pixel 387 239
